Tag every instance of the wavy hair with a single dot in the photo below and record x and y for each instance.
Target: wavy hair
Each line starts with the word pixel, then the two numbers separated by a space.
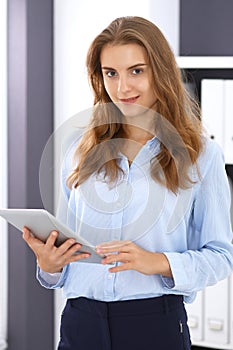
pixel 182 130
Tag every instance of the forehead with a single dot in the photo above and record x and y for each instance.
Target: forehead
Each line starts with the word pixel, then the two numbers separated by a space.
pixel 122 55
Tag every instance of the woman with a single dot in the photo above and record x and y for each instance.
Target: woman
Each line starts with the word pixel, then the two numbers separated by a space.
pixel 149 184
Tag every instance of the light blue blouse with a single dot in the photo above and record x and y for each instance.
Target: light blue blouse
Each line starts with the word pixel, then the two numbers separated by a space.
pixel 191 228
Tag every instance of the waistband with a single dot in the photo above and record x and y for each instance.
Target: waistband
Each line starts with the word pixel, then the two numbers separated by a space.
pixel 162 304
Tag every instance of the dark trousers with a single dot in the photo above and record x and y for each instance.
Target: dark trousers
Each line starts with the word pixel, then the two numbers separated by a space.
pixel 157 323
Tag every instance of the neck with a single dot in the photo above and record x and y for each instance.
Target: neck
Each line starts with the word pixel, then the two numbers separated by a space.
pixel 136 133
pixel 140 130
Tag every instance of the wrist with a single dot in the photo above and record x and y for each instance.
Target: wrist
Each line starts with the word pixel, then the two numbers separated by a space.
pixel 49 269
pixel 164 267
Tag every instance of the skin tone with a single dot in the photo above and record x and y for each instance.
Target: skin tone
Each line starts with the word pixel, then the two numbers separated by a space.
pixel 133 257
pixel 50 258
pixel 127 80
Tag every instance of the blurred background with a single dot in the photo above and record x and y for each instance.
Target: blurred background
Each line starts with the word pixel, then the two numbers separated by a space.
pixel 43 82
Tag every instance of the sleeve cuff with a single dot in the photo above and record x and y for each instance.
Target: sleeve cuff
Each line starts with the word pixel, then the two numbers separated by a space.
pixel 179 281
pixel 51 280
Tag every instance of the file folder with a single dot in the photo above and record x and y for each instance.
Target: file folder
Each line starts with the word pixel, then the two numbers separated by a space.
pixel 217 313
pixel 212 108
pixel 228 122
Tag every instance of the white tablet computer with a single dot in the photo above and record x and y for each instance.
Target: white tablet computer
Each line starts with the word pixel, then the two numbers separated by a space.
pixel 41 223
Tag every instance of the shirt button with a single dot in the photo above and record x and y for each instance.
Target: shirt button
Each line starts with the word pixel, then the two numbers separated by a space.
pixel 110 276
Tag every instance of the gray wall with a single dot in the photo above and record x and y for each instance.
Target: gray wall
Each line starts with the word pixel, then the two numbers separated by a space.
pixel 206 27
pixel 30 118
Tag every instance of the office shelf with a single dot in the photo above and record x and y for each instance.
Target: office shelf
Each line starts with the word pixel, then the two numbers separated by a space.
pixel 219 333
pixel 205 62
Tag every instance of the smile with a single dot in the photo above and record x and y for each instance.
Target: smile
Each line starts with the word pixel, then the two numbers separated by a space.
pixel 129 100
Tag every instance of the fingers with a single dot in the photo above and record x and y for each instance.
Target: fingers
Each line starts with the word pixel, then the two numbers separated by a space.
pixel 68 249
pixel 73 252
pixel 67 245
pixel 49 257
pixel 50 243
pixel 116 251
pixel 114 258
pixel 79 256
pixel 113 246
pixel 30 239
pixel 129 255
pixel 27 235
pixel 69 256
pixel 119 268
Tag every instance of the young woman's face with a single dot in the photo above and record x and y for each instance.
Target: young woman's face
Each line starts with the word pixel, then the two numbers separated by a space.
pixel 128 78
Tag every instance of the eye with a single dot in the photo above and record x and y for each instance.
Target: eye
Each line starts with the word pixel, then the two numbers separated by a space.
pixel 136 71
pixel 111 73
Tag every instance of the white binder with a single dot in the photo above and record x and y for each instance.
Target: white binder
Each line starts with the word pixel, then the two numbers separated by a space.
pixel 195 317
pixel 216 312
pixel 231 310
pixel 228 122
pixel 212 108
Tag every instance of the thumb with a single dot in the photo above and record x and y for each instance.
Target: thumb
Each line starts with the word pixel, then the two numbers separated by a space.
pixel 26 233
pixel 30 238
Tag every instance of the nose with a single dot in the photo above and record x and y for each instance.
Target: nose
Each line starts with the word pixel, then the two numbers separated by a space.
pixel 124 85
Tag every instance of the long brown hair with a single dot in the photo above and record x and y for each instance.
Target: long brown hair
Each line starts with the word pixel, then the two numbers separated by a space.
pixel 182 130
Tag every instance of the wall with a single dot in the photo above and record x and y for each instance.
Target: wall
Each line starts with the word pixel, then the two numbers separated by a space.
pixel 206 28
pixel 3 173
pixel 30 122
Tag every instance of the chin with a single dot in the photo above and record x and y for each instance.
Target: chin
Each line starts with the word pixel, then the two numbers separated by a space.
pixel 131 109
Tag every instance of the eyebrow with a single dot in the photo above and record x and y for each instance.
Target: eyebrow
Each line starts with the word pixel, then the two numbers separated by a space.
pixel 131 67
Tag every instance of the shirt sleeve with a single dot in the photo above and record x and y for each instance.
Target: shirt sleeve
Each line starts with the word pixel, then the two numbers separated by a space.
pixel 210 257
pixel 52 280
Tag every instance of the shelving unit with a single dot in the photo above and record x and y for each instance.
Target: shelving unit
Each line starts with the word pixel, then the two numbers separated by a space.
pixel 211 314
pixel 205 62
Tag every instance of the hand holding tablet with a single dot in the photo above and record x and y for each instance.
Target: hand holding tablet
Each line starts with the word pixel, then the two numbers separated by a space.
pixel 41 223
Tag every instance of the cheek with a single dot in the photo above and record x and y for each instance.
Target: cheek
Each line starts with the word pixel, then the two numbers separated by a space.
pixel 110 89
pixel 144 85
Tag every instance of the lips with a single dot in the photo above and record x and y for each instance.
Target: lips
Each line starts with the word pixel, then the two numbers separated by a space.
pixel 129 100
